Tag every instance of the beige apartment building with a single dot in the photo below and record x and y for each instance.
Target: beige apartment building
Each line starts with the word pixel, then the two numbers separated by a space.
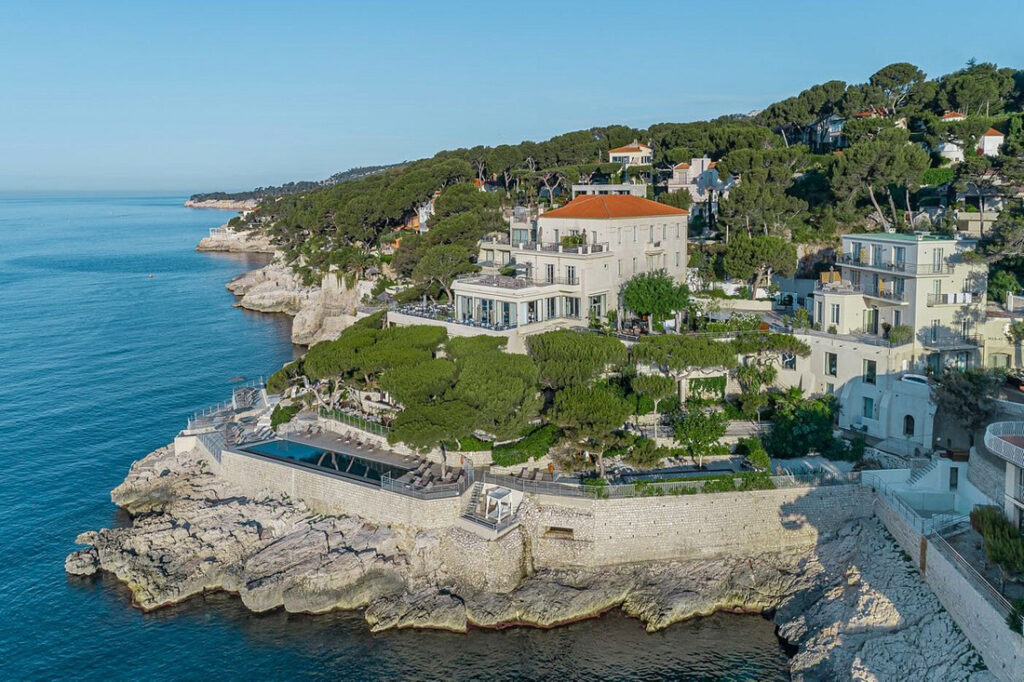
pixel 920 285
pixel 568 270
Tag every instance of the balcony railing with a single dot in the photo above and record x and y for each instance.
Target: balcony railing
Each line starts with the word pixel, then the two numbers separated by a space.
pixel 1006 440
pixel 515 283
pixel 846 287
pixel 955 298
pixel 952 341
pixel 943 268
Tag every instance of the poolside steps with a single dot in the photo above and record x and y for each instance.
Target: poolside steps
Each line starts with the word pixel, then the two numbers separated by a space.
pixel 474 500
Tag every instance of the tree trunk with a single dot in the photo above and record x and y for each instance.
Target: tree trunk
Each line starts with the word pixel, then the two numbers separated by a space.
pixel 757 283
pixel 600 464
pixel 910 211
pixel 892 207
pixel 874 202
pixel 448 293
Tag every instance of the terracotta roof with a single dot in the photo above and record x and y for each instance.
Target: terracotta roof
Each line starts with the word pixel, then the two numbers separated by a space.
pixel 630 148
pixel 713 164
pixel 608 206
pixel 681 166
pixel 952 114
pixel 992 132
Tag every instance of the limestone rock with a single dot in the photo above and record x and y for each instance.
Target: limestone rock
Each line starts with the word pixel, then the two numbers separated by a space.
pixel 236 241
pixel 853 607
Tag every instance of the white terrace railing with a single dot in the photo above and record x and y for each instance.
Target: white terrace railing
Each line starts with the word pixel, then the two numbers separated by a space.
pixel 995 441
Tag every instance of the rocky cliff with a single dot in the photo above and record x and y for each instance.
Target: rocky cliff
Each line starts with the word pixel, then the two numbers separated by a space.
pixel 318 312
pixel 852 606
pixel 224 204
pixel 236 241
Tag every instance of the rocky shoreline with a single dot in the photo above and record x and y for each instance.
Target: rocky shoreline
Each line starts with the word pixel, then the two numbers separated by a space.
pixel 224 204
pixel 318 312
pixel 852 607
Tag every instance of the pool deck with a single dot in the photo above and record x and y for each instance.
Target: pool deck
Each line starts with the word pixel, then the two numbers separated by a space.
pixel 351 446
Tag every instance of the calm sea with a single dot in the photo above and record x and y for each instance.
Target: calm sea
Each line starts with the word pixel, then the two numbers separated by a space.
pixel 99 364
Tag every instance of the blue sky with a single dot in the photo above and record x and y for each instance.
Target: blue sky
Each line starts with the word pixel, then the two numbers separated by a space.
pixel 195 96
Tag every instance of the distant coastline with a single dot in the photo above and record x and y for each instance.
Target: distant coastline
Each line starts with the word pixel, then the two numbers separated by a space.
pixel 223 204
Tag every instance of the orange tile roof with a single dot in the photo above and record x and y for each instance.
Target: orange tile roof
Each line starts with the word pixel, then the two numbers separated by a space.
pixel 992 132
pixel 681 166
pixel 952 114
pixel 630 148
pixel 610 206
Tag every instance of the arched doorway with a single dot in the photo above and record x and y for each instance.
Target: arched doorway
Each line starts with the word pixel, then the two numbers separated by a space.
pixel 908 425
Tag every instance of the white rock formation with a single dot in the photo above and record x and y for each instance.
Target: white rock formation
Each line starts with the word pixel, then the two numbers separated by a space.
pixel 852 606
pixel 236 241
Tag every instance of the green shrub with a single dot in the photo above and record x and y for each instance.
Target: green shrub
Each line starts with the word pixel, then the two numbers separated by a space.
pixel 1016 613
pixel 470 444
pixel 282 378
pixel 597 486
pixel 533 446
pixel 708 388
pixel 937 176
pixel 283 414
pixel 1003 542
pixel 753 449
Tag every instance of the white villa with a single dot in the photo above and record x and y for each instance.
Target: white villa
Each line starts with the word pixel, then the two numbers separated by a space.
pixel 700 177
pixel 633 154
pixel 570 273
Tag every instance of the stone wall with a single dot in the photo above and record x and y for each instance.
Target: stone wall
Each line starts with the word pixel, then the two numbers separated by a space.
pixel 1002 649
pixel 330 495
pixel 987 472
pixel 983 625
pixel 568 533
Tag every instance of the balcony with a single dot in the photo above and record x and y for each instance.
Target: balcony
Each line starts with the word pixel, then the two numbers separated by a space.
pixel 910 269
pixel 1006 441
pixel 548 247
pixel 951 341
pixel 957 298
pixel 862 289
pixel 515 283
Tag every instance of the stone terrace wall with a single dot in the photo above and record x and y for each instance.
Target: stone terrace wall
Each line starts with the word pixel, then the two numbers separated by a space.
pixel 329 495
pixel 1002 649
pixel 609 532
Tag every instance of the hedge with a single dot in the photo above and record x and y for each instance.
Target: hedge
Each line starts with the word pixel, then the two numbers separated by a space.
pixel 283 415
pixel 533 446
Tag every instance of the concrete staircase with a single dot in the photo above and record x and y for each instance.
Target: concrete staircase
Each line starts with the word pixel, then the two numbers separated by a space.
pixel 469 511
pixel 921 473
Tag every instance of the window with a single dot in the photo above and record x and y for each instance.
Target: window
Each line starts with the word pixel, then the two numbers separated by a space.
pixel 898 286
pixel 597 306
pixel 954 478
pixel 570 274
pixel 858 250
pixel 572 307
pixel 870 370
pixel 677 259
pixel 789 361
pixel 901 256
pixel 908 425
pixel 835 314
pixel 552 306
pixel 549 273
pixel 876 256
pixel 664 233
pixel 634 234
pixel 897 318
pixel 831 364
pixel 999 360
pixel 619 233
pixel 830 389
pixel 619 268
pixel 935 331
pixel 869 408
pixel 821 314
pixel 634 265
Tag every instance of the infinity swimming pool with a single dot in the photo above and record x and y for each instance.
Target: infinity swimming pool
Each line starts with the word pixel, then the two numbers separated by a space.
pixel 337 462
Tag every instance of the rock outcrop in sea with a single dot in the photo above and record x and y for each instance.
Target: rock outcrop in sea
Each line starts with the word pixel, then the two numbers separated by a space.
pixel 852 607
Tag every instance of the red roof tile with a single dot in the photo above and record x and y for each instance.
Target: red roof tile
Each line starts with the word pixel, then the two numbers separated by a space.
pixel 610 206
pixel 992 132
pixel 630 148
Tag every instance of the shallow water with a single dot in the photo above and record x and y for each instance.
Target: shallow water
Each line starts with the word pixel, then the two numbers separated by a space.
pixel 100 364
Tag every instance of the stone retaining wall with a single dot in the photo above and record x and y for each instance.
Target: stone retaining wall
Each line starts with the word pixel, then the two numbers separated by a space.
pixel 330 495
pixel 589 533
pixel 984 626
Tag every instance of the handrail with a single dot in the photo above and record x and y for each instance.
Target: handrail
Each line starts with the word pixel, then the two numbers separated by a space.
pixel 999 446
pixel 994 596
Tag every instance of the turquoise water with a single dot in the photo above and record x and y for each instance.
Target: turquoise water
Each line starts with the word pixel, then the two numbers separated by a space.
pixel 99 364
